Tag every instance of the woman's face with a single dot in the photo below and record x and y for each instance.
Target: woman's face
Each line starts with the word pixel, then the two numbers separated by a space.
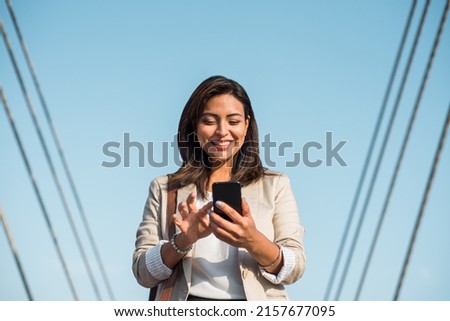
pixel 222 127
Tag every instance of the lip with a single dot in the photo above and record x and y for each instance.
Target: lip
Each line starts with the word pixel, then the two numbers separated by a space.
pixel 221 145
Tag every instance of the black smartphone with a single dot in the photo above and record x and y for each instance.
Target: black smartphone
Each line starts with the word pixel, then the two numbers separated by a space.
pixel 227 192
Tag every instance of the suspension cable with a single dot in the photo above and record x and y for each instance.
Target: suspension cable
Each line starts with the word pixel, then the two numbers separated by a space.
pixel 383 149
pixel 49 161
pixel 370 151
pixel 422 205
pixel 38 193
pixel 402 150
pixel 12 245
pixel 60 150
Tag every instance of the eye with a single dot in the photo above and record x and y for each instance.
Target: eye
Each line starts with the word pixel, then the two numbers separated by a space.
pixel 208 121
pixel 234 122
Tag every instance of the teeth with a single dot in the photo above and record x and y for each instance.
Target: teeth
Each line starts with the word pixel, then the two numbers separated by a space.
pixel 221 144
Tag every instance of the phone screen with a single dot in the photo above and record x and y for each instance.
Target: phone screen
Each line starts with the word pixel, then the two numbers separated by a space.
pixel 229 193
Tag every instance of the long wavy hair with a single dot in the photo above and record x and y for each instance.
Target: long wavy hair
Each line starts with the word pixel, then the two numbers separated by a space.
pixel 247 167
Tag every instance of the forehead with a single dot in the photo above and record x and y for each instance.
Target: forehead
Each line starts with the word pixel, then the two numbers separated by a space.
pixel 224 104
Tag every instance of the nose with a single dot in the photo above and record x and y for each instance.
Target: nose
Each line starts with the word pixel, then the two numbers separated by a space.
pixel 222 129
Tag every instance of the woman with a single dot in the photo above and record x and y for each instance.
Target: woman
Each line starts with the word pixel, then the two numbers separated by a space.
pixel 250 257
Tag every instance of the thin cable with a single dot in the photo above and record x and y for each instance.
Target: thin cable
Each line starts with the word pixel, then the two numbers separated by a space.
pixel 423 205
pixel 370 151
pixel 38 193
pixel 383 149
pixel 60 150
pixel 49 161
pixel 12 245
pixel 402 150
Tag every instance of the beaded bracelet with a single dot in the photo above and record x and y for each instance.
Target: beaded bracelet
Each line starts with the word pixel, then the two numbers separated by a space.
pixel 176 248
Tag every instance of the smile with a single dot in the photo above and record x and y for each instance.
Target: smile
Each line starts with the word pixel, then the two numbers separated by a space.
pixel 221 145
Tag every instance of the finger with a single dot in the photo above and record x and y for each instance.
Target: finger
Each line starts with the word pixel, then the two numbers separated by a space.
pixel 191 200
pixel 220 230
pixel 183 209
pixel 206 209
pixel 235 216
pixel 219 222
pixel 215 219
pixel 245 208
pixel 176 220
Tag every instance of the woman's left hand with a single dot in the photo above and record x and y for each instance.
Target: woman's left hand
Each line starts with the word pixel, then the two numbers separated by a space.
pixel 240 232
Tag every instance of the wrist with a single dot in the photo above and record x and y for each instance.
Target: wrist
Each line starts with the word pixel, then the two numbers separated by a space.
pixel 274 264
pixel 179 244
pixel 254 245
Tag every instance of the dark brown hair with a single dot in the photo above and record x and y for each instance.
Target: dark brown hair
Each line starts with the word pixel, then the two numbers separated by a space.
pixel 247 167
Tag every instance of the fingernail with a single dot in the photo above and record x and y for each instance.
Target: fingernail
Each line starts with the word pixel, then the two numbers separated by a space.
pixel 218 203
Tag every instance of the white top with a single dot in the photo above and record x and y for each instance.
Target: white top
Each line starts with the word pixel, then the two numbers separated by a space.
pixel 215 268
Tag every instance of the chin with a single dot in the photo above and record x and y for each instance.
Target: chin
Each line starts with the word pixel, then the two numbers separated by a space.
pixel 220 159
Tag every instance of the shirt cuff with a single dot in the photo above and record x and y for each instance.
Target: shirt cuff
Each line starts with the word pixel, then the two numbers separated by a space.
pixel 155 264
pixel 286 270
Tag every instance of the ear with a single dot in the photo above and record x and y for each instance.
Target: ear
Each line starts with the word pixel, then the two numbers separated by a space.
pixel 247 123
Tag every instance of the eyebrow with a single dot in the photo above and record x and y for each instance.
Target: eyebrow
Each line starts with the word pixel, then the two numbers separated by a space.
pixel 215 115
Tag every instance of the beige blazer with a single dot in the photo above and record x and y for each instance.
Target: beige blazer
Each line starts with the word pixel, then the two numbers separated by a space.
pixel 274 210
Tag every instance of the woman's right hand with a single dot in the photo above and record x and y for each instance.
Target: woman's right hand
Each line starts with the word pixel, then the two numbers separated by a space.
pixel 194 223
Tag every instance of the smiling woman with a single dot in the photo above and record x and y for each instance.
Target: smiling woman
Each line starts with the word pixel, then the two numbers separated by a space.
pixel 222 128
pixel 249 257
pixel 219 111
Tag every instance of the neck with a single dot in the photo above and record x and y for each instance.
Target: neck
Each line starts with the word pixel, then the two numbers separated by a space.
pixel 219 174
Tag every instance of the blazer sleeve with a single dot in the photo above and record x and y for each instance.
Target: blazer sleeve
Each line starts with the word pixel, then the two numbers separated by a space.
pixel 149 233
pixel 287 226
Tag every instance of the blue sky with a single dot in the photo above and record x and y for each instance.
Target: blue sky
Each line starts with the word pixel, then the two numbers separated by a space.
pixel 110 68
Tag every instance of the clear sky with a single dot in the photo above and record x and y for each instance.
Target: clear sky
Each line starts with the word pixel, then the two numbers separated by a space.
pixel 115 69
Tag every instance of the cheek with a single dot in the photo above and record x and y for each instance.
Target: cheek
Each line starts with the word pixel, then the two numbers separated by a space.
pixel 202 135
pixel 240 135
